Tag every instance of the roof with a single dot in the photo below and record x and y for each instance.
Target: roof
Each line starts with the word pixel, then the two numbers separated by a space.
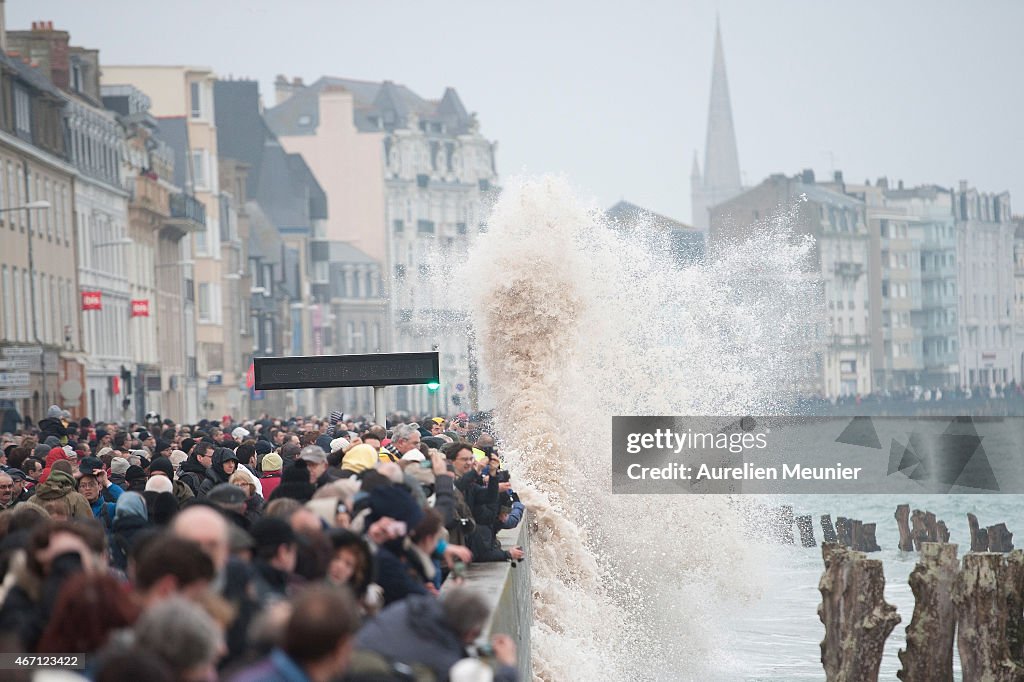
pixel 282 183
pixel 823 195
pixel 344 253
pixel 31 75
pixel 684 242
pixel 631 213
pixel 378 106
pixel 241 130
pixel 264 239
pixel 173 131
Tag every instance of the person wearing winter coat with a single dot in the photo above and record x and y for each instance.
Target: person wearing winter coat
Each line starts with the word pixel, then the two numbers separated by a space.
pixel 92 486
pixel 55 454
pixel 224 464
pixel 52 425
pixel 59 489
pixel 131 520
pixel 435 632
pixel 192 471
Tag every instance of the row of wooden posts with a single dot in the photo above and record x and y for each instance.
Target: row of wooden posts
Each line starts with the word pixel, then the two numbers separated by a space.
pixel 979 606
pixel 915 528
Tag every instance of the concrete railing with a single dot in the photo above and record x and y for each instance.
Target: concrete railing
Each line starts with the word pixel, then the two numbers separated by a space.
pixel 508 592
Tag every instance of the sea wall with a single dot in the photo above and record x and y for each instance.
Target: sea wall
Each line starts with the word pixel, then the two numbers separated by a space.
pixel 507 589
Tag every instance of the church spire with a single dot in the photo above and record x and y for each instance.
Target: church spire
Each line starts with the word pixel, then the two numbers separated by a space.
pixel 721 159
pixel 721 179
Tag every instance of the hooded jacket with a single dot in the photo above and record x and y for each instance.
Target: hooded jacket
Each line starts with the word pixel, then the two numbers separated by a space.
pixel 413 631
pixel 52 427
pixel 60 486
pixel 52 456
pixel 192 473
pixel 215 474
pixel 131 519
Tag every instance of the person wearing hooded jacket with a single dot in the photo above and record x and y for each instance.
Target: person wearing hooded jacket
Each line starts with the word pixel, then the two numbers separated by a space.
pixel 192 471
pixel 53 426
pixel 55 454
pixel 225 461
pixel 131 520
pixel 60 487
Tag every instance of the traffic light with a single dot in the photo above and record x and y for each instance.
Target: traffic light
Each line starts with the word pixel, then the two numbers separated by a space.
pixel 433 386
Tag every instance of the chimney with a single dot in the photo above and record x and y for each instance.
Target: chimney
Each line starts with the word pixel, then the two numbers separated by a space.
pixel 807 176
pixel 297 82
pixel 963 185
pixel 899 185
pixel 838 177
pixel 883 182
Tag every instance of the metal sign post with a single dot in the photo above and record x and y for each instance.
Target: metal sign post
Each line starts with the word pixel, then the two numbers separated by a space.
pixel 341 371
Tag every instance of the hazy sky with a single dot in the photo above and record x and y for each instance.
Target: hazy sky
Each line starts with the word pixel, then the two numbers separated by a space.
pixel 614 93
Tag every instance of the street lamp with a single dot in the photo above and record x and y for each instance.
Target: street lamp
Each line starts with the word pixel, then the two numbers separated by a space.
pixel 40 205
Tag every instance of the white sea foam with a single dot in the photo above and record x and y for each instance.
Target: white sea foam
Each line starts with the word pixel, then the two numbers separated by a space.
pixel 578 320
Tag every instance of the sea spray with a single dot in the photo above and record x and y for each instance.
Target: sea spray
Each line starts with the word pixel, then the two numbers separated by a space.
pixel 578 320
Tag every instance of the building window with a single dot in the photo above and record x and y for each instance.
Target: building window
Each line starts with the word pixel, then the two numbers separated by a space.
pixel 204 302
pixel 398 226
pixel 425 226
pixel 199 169
pixel 350 335
pixel 369 285
pixel 8 305
pixel 460 228
pixel 399 272
pixel 197 100
pixel 22 113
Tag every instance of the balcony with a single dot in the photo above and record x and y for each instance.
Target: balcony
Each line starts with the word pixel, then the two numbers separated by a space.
pixel 150 195
pixel 187 214
pixel 848 269
pixel 850 341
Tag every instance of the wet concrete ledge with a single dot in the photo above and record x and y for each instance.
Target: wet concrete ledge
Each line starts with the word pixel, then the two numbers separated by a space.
pixel 508 592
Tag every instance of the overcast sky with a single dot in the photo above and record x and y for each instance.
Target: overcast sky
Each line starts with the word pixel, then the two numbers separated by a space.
pixel 614 93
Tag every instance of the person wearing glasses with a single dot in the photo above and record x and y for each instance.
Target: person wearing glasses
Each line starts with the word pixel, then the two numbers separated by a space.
pixel 7 497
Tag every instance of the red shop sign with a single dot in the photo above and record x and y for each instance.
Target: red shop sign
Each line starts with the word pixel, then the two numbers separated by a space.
pixel 92 300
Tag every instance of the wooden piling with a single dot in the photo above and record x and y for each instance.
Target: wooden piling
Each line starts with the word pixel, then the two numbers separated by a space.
pixel 928 656
pixel 1000 539
pixel 868 542
pixel 987 598
pixel 828 531
pixel 784 524
pixel 903 522
pixel 856 617
pixel 979 538
pixel 806 529
pixel 843 531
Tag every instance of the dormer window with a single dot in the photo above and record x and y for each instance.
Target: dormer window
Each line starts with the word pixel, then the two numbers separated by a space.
pixel 305 120
pixel 76 76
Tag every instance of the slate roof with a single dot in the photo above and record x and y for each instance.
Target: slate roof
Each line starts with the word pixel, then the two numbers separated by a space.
pixel 31 75
pixel 685 242
pixel 378 106
pixel 264 239
pixel 627 212
pixel 342 253
pixel 173 131
pixel 282 183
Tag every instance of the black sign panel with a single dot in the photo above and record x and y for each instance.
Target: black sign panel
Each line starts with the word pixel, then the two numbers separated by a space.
pixel 335 371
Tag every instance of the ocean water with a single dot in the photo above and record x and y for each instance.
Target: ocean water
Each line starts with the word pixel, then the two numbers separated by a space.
pixel 576 321
pixel 779 632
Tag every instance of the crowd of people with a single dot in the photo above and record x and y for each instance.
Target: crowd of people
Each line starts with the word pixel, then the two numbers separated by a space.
pixel 299 549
